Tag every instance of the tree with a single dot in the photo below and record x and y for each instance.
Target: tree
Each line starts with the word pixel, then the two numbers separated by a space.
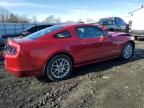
pixel 12 19
pixel 23 19
pixel 80 21
pixel 90 20
pixel 8 17
pixel 69 21
pixel 34 19
pixel 58 20
pixel 4 14
pixel 52 19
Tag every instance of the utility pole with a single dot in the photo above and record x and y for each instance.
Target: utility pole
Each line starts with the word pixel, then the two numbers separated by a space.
pixel 131 13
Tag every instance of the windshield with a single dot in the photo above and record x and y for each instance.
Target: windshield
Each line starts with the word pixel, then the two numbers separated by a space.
pixel 43 32
pixel 107 21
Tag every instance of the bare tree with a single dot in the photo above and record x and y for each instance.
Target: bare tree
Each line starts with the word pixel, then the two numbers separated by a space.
pixel 23 19
pixel 4 14
pixel 69 21
pixel 90 20
pixel 52 19
pixel 80 21
pixel 34 19
pixel 8 17
pixel 58 20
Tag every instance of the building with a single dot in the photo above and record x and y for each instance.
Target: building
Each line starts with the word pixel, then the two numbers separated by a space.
pixel 136 18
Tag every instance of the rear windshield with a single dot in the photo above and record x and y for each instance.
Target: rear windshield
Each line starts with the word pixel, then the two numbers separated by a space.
pixel 29 29
pixel 107 21
pixel 43 32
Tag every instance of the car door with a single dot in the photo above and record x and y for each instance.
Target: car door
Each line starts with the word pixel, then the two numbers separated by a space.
pixel 109 47
pixel 90 42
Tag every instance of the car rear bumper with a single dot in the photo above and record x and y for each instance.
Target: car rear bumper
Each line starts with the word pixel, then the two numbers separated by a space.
pixel 23 73
pixel 19 68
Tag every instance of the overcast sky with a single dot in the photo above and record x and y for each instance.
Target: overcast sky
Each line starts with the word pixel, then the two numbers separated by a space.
pixel 71 9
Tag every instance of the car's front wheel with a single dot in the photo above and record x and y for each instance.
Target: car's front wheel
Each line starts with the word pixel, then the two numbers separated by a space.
pixel 127 51
pixel 59 67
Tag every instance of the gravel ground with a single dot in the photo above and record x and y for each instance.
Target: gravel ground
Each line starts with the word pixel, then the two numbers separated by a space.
pixel 111 84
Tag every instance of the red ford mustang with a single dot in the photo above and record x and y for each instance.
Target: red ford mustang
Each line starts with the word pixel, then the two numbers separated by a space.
pixel 54 51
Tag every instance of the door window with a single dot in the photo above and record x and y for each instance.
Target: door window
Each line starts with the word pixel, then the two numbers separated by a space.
pixel 64 34
pixel 120 22
pixel 89 32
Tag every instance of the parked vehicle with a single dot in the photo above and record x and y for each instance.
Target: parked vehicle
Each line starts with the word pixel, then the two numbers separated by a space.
pixel 35 28
pixel 2 43
pixel 54 51
pixel 114 24
pixel 137 27
pixel 138 34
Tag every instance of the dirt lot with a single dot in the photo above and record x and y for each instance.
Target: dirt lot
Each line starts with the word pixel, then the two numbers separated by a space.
pixel 111 84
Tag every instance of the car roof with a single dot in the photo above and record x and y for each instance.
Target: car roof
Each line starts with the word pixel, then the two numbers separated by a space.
pixel 108 17
pixel 73 25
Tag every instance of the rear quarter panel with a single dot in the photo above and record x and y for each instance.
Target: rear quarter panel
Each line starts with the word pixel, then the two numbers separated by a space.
pixel 42 50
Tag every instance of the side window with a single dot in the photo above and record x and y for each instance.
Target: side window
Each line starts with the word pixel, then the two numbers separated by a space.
pixel 117 21
pixel 64 34
pixel 89 32
pixel 120 21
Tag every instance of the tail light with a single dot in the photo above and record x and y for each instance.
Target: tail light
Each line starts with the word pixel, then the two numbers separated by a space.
pixel 10 50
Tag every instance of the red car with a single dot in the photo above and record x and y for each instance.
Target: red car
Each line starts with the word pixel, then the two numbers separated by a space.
pixel 54 51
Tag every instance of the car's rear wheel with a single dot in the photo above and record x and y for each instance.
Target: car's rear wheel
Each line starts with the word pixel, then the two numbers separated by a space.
pixel 59 67
pixel 127 51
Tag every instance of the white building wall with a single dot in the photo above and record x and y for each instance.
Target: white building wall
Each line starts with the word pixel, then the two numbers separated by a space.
pixel 138 20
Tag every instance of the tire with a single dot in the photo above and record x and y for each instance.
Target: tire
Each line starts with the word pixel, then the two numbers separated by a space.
pixel 127 51
pixel 136 37
pixel 58 67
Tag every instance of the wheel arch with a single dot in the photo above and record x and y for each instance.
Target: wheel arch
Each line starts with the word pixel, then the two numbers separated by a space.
pixel 128 42
pixel 55 54
pixel 132 42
